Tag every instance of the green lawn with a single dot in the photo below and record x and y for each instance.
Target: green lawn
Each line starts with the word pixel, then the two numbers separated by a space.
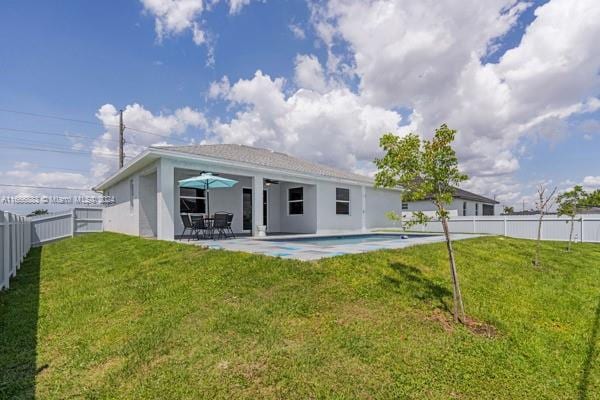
pixel 112 316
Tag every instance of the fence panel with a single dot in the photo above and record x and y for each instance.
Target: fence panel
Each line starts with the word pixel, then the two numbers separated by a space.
pixel 14 245
pixel 53 227
pixel 591 230
pixel 585 228
pixel 47 228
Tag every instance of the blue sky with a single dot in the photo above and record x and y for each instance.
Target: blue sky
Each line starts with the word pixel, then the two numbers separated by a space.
pixel 346 75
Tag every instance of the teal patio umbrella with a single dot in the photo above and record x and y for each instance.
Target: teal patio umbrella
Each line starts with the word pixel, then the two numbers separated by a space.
pixel 207 181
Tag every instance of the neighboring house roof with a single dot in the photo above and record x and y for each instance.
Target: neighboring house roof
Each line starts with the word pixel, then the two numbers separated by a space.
pixel 266 158
pixel 466 195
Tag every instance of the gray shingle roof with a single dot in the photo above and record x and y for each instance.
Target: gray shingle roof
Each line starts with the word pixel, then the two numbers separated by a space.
pixel 266 158
pixel 464 194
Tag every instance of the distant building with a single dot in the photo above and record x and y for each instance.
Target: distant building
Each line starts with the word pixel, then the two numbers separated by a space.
pixel 464 203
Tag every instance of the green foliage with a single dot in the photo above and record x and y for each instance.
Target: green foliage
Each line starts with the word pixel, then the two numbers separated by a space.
pixel 509 210
pixel 423 168
pixel 108 316
pixel 39 211
pixel 592 199
pixel 571 201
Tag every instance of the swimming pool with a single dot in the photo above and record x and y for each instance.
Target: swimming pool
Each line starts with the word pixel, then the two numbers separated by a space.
pixel 346 239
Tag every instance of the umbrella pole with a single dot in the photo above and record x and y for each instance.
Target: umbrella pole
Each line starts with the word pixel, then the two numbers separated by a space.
pixel 207 201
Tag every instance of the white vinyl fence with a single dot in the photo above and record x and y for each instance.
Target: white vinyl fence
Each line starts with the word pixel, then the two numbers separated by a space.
pixel 586 227
pixel 46 228
pixel 18 234
pixel 15 242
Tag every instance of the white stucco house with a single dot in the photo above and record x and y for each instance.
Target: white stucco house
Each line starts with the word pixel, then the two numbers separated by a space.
pixel 284 193
pixel 464 203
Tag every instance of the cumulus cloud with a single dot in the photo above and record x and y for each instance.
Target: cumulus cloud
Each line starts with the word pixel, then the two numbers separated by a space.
pixel 592 181
pixel 309 73
pixel 297 31
pixel 429 57
pixel 335 127
pixel 173 17
pixel 143 129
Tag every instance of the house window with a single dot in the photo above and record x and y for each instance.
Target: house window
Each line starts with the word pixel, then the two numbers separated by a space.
pixel 131 195
pixel 404 206
pixel 192 201
pixel 342 201
pixel 487 209
pixel 464 208
pixel 476 208
pixel 296 201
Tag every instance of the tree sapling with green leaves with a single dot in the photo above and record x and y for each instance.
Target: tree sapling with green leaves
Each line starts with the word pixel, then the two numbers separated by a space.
pixel 425 169
pixel 569 203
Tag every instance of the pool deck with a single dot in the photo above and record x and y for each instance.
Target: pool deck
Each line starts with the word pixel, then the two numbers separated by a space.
pixel 309 251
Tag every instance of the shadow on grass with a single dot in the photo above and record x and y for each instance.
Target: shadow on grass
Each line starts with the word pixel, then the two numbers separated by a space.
pixel 417 285
pixel 18 324
pixel 590 356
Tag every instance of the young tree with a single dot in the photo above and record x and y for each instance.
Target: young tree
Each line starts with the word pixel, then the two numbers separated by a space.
pixel 427 168
pixel 568 204
pixel 542 205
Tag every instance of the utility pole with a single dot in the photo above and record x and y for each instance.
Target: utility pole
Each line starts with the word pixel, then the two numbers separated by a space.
pixel 121 139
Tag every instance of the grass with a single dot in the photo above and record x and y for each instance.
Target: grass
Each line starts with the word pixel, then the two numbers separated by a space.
pixel 112 316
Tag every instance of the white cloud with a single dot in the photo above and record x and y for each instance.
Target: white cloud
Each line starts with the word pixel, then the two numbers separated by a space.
pixel 142 129
pixel 426 56
pixel 172 17
pixel 592 181
pixel 336 127
pixel 309 73
pixel 297 31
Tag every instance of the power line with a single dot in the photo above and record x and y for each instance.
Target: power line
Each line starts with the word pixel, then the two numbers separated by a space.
pixel 89 123
pixel 44 187
pixel 67 135
pixel 63 151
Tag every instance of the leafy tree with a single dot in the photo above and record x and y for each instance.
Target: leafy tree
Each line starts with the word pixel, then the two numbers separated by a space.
pixel 542 205
pixel 568 204
pixel 425 168
pixel 509 210
pixel 39 211
pixel 591 199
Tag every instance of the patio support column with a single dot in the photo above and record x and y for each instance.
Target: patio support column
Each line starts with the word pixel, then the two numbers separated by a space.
pixel 165 200
pixel 257 203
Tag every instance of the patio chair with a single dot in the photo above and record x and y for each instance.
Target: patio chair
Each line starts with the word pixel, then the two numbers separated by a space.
pixel 220 225
pixel 199 225
pixel 229 221
pixel 187 224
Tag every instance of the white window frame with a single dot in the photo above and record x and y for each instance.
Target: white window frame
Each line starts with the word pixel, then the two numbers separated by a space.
pixel 342 201
pixel 294 201
pixel 194 198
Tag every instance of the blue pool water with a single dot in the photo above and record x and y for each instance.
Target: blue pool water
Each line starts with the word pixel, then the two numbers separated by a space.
pixel 346 239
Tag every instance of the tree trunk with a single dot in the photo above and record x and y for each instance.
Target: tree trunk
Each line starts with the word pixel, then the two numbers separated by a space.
pixel 536 261
pixel 458 307
pixel 571 233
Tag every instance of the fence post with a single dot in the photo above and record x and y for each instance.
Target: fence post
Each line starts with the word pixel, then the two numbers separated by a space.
pixel 6 247
pixel 13 247
pixel 581 228
pixel 474 225
pixel 74 222
pixel 505 227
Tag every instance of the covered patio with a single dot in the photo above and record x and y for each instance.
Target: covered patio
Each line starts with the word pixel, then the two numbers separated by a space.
pixel 280 205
